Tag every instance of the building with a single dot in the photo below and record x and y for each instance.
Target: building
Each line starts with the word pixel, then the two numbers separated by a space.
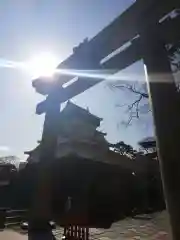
pixel 102 183
pixel 77 134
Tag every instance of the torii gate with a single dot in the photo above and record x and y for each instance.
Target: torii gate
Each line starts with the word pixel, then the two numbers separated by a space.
pixel 143 27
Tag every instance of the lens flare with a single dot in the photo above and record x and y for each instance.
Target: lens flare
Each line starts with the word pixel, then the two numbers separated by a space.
pixel 43 64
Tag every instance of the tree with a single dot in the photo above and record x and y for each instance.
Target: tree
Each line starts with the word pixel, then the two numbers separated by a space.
pixel 10 160
pixel 123 148
pixel 140 103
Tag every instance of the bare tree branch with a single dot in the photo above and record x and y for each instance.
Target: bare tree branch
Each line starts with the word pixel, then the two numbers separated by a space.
pixel 131 88
pixel 134 109
pixel 138 89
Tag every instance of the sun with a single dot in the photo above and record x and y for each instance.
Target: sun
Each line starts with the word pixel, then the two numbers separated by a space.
pixel 43 64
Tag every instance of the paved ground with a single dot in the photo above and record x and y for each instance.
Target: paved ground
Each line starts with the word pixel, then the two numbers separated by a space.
pixel 156 228
pixel 11 235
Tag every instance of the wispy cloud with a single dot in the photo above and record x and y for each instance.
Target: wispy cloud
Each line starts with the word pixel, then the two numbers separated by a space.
pixel 4 149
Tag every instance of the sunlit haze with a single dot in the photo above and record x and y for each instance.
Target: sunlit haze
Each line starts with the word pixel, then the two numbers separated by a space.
pixel 35 38
pixel 43 64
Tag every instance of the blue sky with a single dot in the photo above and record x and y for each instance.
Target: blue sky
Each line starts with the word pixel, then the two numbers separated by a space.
pixel 30 27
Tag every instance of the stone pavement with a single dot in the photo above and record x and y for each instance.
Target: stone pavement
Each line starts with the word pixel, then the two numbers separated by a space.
pixel 11 235
pixel 156 228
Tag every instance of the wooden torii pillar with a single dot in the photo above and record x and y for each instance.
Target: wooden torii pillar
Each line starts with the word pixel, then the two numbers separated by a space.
pixel 141 25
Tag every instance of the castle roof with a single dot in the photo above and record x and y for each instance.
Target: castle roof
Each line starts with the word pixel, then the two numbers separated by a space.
pixel 73 110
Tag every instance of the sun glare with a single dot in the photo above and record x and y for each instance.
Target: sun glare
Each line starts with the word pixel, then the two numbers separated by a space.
pixel 43 64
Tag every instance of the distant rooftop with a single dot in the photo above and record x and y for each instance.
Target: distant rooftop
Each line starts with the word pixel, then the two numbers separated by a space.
pixel 148 142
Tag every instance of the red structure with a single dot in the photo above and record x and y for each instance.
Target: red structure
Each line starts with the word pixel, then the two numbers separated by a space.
pixel 76 232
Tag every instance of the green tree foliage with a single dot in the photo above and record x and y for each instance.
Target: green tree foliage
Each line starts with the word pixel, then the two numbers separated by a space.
pixel 123 148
